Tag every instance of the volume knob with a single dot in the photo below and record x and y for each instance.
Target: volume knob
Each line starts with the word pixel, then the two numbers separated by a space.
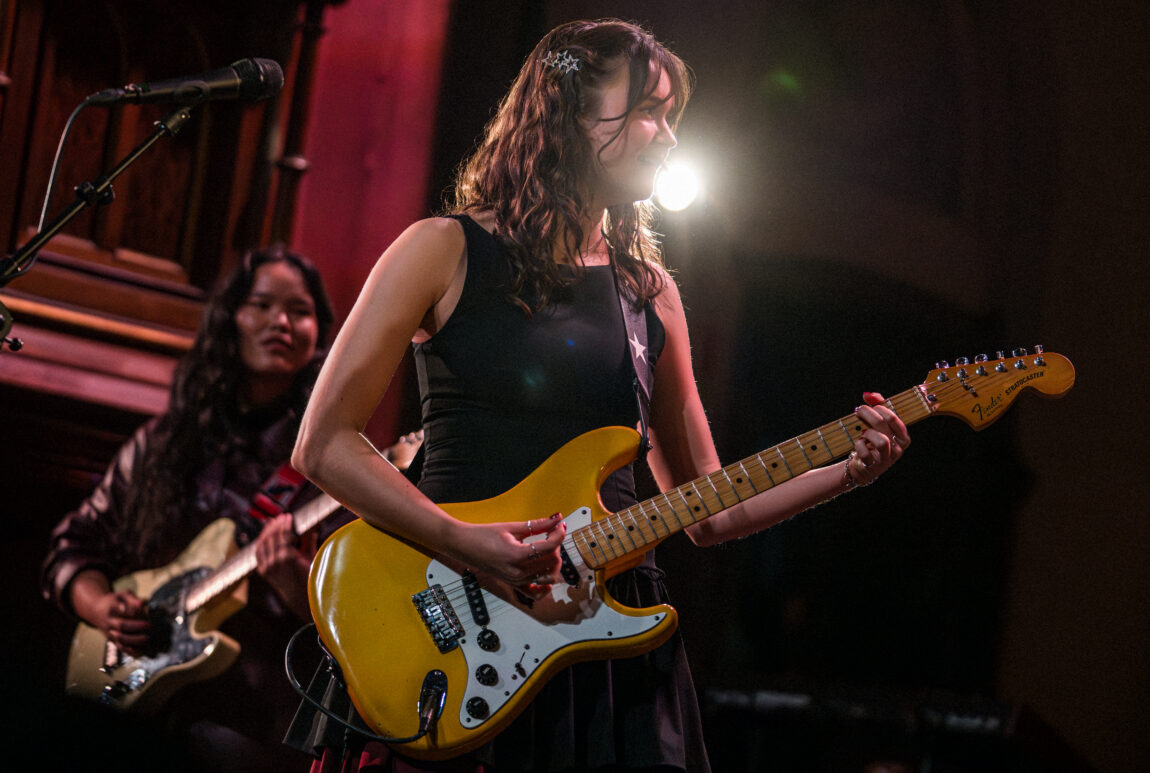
pixel 486 674
pixel 487 640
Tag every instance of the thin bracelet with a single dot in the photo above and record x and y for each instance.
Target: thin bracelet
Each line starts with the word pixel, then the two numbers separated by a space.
pixel 848 479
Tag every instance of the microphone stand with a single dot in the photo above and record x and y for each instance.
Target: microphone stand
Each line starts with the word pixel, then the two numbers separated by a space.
pixel 87 195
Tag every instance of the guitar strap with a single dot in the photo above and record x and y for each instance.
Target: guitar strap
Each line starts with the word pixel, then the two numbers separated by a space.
pixel 636 324
pixel 277 493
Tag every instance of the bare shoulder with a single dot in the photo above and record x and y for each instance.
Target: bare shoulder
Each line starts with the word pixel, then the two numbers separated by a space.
pixel 433 235
pixel 668 300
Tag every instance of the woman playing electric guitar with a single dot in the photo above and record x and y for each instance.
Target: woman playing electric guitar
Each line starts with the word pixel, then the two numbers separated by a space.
pixel 513 305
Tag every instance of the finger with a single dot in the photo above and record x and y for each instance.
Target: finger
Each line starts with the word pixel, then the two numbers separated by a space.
pixel 132 626
pixel 127 605
pixel 556 534
pixel 540 525
pixel 882 418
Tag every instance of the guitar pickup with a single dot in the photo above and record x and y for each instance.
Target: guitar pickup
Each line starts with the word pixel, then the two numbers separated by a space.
pixel 567 568
pixel 475 599
pixel 439 618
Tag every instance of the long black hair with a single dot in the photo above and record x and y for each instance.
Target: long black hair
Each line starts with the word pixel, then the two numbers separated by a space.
pixel 204 395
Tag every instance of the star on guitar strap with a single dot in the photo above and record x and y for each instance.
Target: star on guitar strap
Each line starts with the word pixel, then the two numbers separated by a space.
pixel 636 325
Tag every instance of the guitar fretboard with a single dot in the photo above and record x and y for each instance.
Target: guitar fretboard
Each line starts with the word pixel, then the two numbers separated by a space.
pixel 647 523
pixel 243 562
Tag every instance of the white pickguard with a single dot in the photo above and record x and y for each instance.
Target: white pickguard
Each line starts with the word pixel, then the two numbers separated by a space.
pixel 528 636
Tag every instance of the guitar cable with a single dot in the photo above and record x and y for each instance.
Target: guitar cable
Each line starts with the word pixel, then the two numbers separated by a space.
pixel 429 707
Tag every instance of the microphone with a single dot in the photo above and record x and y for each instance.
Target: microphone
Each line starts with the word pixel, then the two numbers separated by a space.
pixel 248 79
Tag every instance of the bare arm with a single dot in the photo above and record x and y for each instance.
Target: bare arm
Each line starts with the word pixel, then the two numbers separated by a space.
pixel 409 294
pixel 683 448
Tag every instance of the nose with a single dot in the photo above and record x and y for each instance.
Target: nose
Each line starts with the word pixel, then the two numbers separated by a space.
pixel 280 319
pixel 666 136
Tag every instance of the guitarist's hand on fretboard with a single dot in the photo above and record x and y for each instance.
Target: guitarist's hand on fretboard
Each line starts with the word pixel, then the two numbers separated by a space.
pixel 283 559
pixel 880 445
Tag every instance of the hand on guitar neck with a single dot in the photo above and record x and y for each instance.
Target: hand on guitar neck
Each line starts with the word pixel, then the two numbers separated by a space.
pixel 283 559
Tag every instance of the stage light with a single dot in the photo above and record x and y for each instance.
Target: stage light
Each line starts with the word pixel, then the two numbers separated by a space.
pixel 676 186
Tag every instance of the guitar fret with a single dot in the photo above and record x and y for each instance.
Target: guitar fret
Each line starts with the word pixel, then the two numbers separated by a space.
pixel 628 531
pixel 747 477
pixel 656 521
pixel 783 458
pixel 640 523
pixel 598 557
pixel 825 444
pixel 613 537
pixel 715 490
pixel 606 538
pixel 763 464
pixel 687 505
pixel 731 483
pixel 675 512
pixel 799 444
pixel 847 432
pixel 699 498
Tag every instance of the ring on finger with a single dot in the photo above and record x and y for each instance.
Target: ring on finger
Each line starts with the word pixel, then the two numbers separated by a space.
pixel 534 553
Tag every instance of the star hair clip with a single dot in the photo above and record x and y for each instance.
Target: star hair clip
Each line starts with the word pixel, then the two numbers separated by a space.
pixel 562 60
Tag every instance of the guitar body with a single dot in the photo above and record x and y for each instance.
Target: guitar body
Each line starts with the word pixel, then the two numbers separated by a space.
pixel 391 612
pixel 188 648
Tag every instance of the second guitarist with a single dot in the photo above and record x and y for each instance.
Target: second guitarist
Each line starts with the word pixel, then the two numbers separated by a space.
pixel 234 412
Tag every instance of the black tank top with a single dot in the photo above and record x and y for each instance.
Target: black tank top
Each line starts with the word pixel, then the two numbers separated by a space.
pixel 501 391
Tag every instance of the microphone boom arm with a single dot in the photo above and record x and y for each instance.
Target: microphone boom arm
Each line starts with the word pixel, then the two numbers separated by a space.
pixel 88 194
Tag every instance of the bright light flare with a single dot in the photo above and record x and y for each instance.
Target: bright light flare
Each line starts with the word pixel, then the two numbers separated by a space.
pixel 676 186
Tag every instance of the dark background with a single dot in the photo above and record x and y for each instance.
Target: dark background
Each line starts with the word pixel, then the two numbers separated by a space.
pixel 888 184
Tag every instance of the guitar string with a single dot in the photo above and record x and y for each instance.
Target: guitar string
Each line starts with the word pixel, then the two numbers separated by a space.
pixel 902 403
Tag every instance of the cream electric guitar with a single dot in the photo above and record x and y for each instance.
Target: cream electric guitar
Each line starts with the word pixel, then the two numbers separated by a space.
pixel 414 634
pixel 187 601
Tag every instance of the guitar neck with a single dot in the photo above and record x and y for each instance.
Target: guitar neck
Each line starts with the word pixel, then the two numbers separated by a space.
pixel 243 562
pixel 647 523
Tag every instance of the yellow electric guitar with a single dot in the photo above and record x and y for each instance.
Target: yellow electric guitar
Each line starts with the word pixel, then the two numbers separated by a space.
pixel 408 627
pixel 187 601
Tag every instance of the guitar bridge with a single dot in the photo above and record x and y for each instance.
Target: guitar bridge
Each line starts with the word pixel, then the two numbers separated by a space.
pixel 439 617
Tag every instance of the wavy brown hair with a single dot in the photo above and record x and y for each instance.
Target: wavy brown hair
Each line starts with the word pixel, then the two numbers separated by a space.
pixel 203 403
pixel 534 164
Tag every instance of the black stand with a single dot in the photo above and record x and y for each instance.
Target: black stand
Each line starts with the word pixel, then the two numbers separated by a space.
pixel 87 195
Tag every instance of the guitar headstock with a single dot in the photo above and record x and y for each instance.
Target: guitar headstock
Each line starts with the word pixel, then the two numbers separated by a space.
pixel 980 391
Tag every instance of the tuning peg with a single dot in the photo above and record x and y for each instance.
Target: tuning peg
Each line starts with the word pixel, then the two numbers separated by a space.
pixel 942 365
pixel 1039 359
